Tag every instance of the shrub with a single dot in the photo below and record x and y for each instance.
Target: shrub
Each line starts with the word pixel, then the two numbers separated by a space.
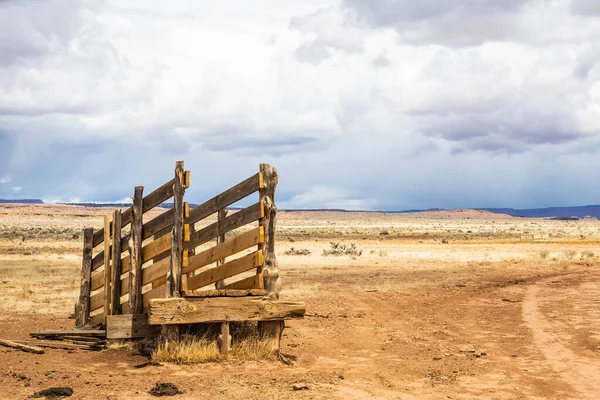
pixel 297 252
pixel 338 249
pixel 544 254
pixel 570 254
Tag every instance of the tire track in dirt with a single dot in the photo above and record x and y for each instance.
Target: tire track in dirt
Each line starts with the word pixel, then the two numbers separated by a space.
pixel 576 370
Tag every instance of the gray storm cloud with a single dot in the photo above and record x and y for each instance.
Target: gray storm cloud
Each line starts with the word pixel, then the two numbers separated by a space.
pixel 360 104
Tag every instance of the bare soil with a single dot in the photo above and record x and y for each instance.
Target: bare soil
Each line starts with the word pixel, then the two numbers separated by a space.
pixel 444 305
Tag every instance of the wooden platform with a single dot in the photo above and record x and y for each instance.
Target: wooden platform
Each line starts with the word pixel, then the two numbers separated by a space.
pixel 224 293
pixel 220 309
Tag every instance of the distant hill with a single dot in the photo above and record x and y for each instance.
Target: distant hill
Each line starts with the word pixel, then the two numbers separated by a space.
pixel 21 201
pixel 549 212
pixel 580 211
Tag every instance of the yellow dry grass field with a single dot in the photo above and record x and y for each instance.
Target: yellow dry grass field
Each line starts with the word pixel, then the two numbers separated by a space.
pixel 460 304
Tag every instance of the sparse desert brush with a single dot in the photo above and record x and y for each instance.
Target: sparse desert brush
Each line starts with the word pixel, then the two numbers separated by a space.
pixel 338 249
pixel 544 254
pixel 202 346
pixel 297 252
pixel 569 254
pixel 585 254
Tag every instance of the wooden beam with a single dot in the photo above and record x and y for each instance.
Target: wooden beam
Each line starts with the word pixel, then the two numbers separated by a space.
pixel 251 282
pixel 271 330
pixel 220 239
pixel 135 253
pixel 115 298
pixel 78 332
pixel 234 221
pixel 224 339
pixel 97 301
pixel 224 293
pixel 129 326
pixel 226 249
pixel 231 268
pixel 107 270
pixel 82 310
pixel 97 280
pixel 220 309
pixel 153 249
pixel 158 223
pixel 159 196
pixel 170 334
pixel 23 347
pixel 155 271
pixel 225 199
pixel 176 265
pixel 155 293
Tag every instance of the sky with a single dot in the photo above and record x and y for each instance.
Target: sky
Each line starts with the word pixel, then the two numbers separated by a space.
pixel 360 104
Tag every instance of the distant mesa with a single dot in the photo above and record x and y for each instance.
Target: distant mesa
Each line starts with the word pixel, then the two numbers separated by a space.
pixel 21 201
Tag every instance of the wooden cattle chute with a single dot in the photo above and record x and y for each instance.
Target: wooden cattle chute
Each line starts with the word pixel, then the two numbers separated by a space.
pixel 179 268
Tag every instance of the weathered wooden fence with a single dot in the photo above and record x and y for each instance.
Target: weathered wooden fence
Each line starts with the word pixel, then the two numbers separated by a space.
pixel 130 263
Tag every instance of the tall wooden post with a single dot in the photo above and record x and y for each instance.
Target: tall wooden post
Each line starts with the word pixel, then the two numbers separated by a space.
pixel 220 239
pixel 170 333
pixel 270 329
pixel 136 305
pixel 115 298
pixel 107 271
pixel 82 310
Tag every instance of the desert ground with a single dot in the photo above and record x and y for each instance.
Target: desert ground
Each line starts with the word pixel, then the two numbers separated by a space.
pixel 440 305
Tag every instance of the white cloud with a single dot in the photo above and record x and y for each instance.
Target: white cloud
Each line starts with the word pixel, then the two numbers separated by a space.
pixel 355 102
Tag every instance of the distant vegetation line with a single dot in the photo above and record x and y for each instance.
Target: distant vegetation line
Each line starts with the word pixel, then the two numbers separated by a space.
pixel 548 212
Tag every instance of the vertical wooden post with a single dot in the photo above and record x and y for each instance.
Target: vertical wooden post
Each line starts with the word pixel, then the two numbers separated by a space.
pixel 115 298
pixel 224 339
pixel 170 333
pixel 136 305
pixel 174 274
pixel 220 239
pixel 270 329
pixel 82 310
pixel 107 271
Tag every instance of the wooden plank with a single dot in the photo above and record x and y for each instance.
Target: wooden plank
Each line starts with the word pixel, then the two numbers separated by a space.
pixel 158 223
pixel 82 310
pixel 254 282
pixel 226 249
pixel 97 301
pixel 231 268
pixel 159 196
pixel 225 199
pixel 55 344
pixel 97 280
pixel 174 273
pixel 135 254
pixel 155 293
pixel 234 221
pixel 224 339
pixel 115 290
pixel 129 326
pixel 220 309
pixel 224 293
pixel 23 347
pixel 59 332
pixel 98 259
pixel 107 269
pixel 221 215
pixel 97 319
pixel 272 282
pixel 155 271
pixel 152 250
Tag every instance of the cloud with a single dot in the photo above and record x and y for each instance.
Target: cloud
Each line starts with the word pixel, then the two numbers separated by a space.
pixel 382 104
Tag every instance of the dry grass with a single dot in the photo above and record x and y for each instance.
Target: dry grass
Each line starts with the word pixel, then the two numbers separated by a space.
pixel 202 346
